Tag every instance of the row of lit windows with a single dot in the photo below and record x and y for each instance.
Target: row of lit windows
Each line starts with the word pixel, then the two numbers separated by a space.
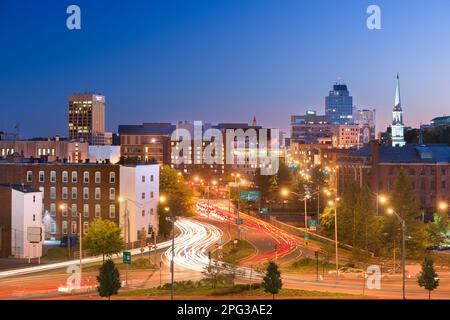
pixel 74 193
pixel 74 176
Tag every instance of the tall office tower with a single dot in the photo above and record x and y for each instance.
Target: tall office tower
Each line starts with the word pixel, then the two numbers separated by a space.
pixel 397 119
pixel 339 105
pixel 87 118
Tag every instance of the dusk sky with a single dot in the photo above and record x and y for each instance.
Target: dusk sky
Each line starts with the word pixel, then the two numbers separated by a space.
pixel 219 60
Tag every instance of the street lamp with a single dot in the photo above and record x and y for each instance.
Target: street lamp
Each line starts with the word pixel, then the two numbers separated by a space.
pixel 443 206
pixel 172 263
pixel 304 197
pixel 403 225
pixel 63 207
pixel 334 204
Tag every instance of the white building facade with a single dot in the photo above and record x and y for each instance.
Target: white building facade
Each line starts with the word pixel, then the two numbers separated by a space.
pixel 139 195
pixel 26 213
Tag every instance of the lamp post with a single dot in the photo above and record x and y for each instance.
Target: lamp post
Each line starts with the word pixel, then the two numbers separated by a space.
pixel 334 204
pixel 304 197
pixel 80 229
pixel 403 226
pixel 381 199
pixel 172 262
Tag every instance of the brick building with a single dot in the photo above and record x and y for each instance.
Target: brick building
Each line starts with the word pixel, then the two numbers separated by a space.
pixel 428 167
pixel 89 188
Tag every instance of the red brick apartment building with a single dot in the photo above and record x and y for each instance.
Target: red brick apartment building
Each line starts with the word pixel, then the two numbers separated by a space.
pixel 428 167
pixel 91 189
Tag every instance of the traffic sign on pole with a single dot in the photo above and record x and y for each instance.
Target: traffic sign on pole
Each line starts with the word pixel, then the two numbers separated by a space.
pixel 126 257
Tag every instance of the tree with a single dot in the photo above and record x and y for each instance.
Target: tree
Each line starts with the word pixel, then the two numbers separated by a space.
pixel 428 277
pixel 108 279
pixel 266 184
pixel 272 280
pixel 179 196
pixel 368 225
pixel 165 226
pixel 103 238
pixel 404 202
pixel 284 176
pixel 347 214
pixel 437 230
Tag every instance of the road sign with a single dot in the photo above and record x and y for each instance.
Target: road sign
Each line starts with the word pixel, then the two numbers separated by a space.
pixel 126 256
pixel 249 196
pixel 220 242
pixel 239 221
pixel 216 245
pixel 34 234
pixel 313 225
pixel 306 236
pixel 265 210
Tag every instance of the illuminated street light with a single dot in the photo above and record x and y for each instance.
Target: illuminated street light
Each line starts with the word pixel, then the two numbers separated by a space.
pixel 391 211
pixel 443 206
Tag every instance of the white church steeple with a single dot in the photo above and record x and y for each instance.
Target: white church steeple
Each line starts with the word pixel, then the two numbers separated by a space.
pixel 397 127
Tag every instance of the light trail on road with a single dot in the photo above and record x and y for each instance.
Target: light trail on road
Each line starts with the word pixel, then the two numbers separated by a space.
pixel 191 246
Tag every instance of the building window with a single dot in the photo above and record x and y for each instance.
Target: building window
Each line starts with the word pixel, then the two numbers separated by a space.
pixel 74 210
pixel 143 178
pixel 97 194
pixel 151 211
pixel 443 185
pixel 152 178
pixel 151 194
pixel 65 177
pixel 53 228
pixel 98 177
pixel 433 171
pixel 423 185
pixel 41 176
pixel 86 177
pixel 52 176
pixel 64 210
pixel 64 193
pixel 143 213
pixel 74 177
pixel 64 227
pixel 74 193
pixel 29 176
pixel 97 211
pixel 86 193
pixel 52 209
pixel 86 210
pixel 112 211
pixel 112 177
pixel 73 228
pixel 112 194
pixel 143 195
pixel 422 172
pixel 85 227
pixel 52 193
pixel 444 172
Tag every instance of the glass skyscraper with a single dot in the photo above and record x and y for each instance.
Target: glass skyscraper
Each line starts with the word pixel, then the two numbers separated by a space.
pixel 339 105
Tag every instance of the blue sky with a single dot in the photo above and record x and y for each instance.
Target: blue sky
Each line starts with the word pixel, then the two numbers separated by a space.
pixel 219 60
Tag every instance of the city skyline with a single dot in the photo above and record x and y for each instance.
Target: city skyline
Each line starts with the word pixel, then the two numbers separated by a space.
pixel 137 66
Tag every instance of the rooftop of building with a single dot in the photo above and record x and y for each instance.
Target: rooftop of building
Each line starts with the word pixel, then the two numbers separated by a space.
pixel 21 188
pixel 410 153
pixel 150 128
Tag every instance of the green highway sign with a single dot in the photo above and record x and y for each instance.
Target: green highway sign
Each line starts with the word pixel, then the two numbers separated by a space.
pixel 249 196
pixel 126 257
pixel 265 210
pixel 239 221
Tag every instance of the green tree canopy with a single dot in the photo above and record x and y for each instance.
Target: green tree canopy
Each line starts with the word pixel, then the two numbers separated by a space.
pixel 272 280
pixel 179 197
pixel 428 278
pixel 403 200
pixel 108 279
pixel 103 238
